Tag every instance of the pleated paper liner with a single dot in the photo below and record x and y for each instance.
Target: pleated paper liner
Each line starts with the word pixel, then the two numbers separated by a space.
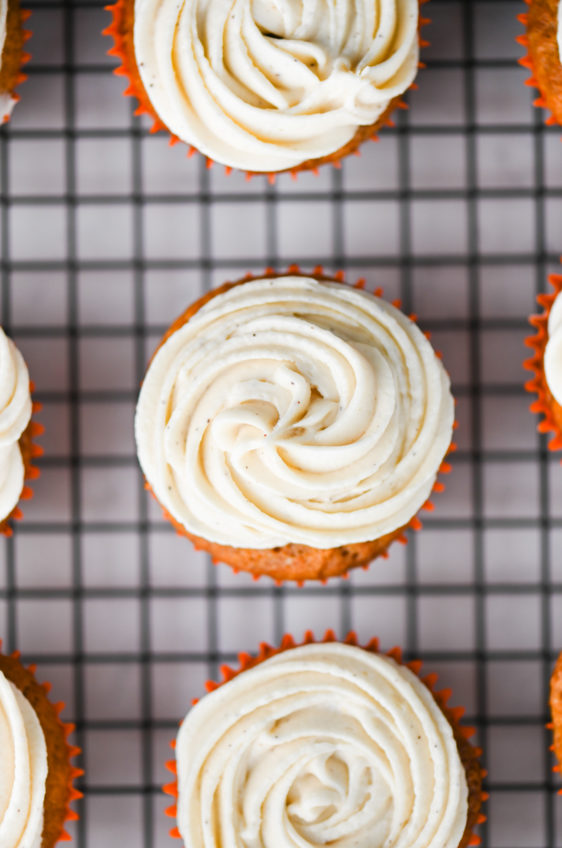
pixel 470 755
pixel 60 791
pixel 14 55
pixel 551 422
pixel 556 712
pixel 542 57
pixel 545 404
pixel 121 30
pixel 299 563
pixel 30 451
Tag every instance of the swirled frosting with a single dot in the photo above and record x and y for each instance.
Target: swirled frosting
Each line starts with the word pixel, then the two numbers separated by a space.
pixel 23 770
pixel 267 84
pixel 288 410
pixel 320 745
pixel 15 413
pixel 7 102
pixel 553 351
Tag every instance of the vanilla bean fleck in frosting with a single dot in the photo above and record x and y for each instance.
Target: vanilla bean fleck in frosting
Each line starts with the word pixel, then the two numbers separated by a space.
pixel 23 770
pixel 288 410
pixel 265 85
pixel 15 414
pixel 324 744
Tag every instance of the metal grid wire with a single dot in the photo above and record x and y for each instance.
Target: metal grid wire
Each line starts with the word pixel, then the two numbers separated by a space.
pixel 106 234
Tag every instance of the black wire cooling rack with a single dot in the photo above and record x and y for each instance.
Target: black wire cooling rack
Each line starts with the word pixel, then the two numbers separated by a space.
pixel 107 234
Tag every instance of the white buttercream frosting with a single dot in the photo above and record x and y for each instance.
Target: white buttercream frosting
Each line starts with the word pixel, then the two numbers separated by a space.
pixel 288 410
pixel 7 102
pixel 15 413
pixel 264 85
pixel 23 770
pixel 325 744
pixel 553 351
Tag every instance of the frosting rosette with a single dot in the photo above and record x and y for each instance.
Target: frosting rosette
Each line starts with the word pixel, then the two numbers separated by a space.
pixel 288 410
pixel 265 85
pixel 323 744
pixel 15 414
pixel 23 770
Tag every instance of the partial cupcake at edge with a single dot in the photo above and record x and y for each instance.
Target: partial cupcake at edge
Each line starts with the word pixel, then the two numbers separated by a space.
pixel 546 363
pixel 13 56
pixel 268 87
pixel 543 42
pixel 325 743
pixel 555 703
pixel 18 434
pixel 37 776
pixel 293 426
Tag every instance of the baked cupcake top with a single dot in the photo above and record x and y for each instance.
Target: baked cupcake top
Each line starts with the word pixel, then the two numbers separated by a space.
pixel 321 744
pixel 553 351
pixel 15 414
pixel 23 770
pixel 288 410
pixel 264 85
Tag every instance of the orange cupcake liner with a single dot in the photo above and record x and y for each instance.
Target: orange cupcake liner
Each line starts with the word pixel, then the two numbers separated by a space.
pixel 121 29
pixel 59 786
pixel 555 703
pixel 556 769
pixel 414 524
pixel 30 452
pixel 542 60
pixel 470 754
pixel 545 404
pixel 17 76
pixel 551 422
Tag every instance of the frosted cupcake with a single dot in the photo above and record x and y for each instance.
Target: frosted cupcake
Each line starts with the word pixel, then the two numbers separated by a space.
pixel 325 744
pixel 543 41
pixel 35 771
pixel 12 55
pixel 293 426
pixel 546 363
pixel 17 432
pixel 263 86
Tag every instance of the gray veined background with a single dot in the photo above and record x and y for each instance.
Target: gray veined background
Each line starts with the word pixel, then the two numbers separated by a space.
pixel 106 234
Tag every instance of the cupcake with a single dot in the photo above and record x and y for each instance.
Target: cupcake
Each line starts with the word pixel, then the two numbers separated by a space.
pixel 267 87
pixel 325 744
pixel 17 431
pixel 12 40
pixel 546 363
pixel 36 774
pixel 543 42
pixel 556 712
pixel 293 426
